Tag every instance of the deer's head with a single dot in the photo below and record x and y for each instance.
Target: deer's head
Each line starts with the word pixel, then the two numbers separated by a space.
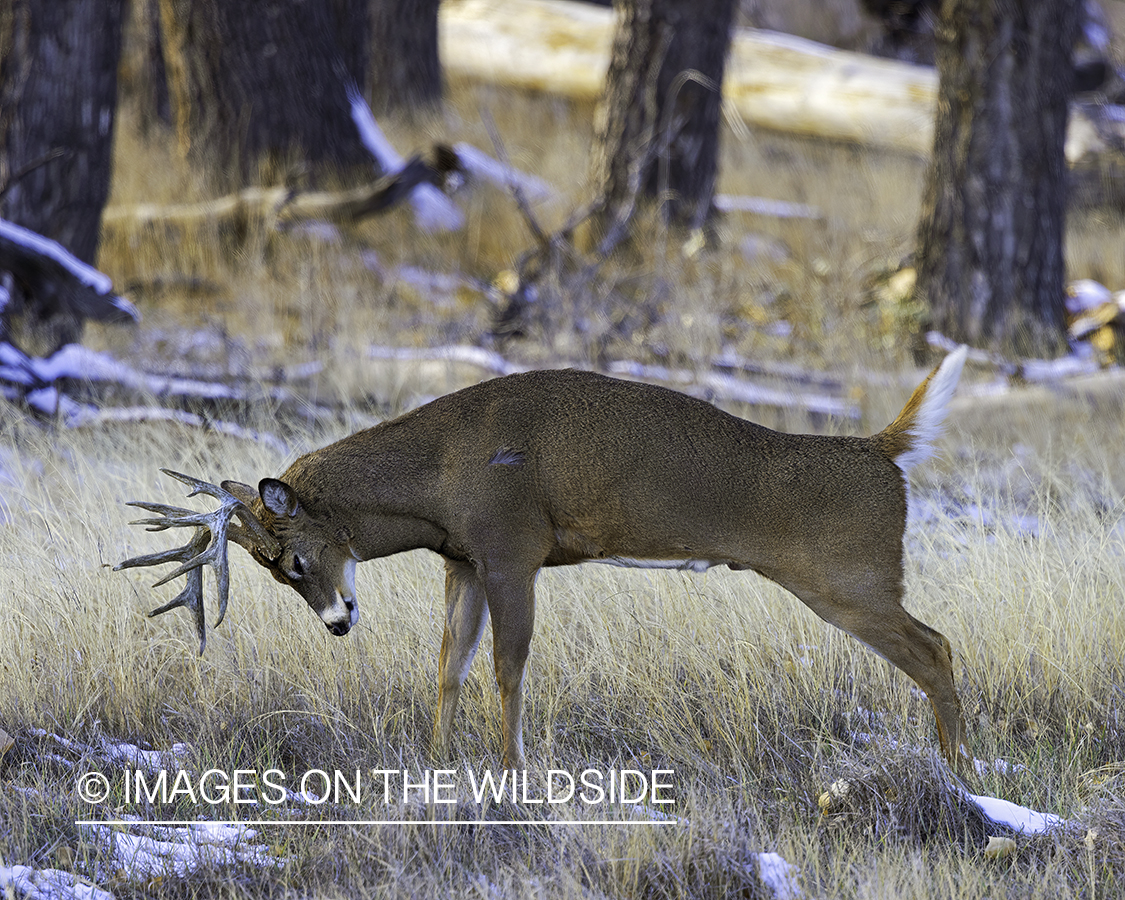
pixel 314 559
pixel 309 554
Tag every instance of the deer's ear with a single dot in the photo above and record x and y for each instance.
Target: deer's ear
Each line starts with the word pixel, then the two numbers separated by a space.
pixel 279 498
pixel 242 492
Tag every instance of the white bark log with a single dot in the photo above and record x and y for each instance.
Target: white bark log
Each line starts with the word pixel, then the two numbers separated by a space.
pixel 773 80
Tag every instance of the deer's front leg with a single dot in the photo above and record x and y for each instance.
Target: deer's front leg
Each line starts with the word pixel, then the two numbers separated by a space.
pixel 465 612
pixel 511 601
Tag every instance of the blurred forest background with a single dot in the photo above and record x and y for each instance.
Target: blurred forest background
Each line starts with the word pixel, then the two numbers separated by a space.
pixel 206 157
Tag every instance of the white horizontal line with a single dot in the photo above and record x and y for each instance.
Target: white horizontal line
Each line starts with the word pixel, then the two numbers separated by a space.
pixel 311 822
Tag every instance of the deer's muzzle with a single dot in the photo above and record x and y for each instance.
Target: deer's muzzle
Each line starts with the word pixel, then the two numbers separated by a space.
pixel 341 616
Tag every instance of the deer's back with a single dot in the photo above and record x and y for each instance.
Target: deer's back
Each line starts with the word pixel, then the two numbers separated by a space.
pixel 622 468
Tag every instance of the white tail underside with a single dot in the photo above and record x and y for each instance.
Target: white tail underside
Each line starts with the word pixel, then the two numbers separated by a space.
pixel 931 414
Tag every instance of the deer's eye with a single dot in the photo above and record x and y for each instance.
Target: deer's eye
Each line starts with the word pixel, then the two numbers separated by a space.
pixel 298 570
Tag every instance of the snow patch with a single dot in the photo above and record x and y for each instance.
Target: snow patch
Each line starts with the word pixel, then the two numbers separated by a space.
pixel 122 753
pixel 642 811
pixel 998 766
pixel 1001 812
pixel 152 760
pixel 1018 818
pixel 141 857
pixel 27 883
pixel 778 875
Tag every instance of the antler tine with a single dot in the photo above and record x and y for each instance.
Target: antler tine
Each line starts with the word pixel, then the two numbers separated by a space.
pixel 191 596
pixel 170 516
pixel 252 530
pixel 155 559
pixel 207 547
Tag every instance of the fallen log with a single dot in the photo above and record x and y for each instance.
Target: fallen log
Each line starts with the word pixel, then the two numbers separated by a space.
pixel 773 80
pixel 776 81
pixel 277 205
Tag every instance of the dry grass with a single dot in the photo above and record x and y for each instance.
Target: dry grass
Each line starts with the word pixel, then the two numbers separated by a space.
pixel 751 702
pixel 754 704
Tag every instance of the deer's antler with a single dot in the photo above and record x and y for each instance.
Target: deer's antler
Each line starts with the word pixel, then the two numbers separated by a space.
pixel 207 547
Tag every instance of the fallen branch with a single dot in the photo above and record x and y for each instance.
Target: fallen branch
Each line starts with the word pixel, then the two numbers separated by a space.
pixel 79 363
pixel 716 386
pixel 249 203
pixel 283 206
pixel 487 360
pixel 435 212
pixel 278 205
pixel 810 392
pixel 789 372
pixel 85 415
pixel 763 206
pixel 501 173
pixel 44 385
pixel 710 385
pixel 54 277
pixel 1077 363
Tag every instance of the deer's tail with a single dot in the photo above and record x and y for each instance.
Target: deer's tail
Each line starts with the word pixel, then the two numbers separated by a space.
pixel 909 439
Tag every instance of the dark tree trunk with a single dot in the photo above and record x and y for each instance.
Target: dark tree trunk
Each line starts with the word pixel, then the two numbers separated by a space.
pixel 405 66
pixel 144 79
pixel 990 238
pixel 263 83
pixel 657 125
pixel 58 98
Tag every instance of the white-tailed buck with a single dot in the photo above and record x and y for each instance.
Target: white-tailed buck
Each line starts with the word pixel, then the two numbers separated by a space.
pixel 552 468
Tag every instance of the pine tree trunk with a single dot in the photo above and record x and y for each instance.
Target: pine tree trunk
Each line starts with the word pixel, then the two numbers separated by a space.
pixel 58 98
pixel 144 82
pixel 657 125
pixel 405 66
pixel 260 85
pixel 990 237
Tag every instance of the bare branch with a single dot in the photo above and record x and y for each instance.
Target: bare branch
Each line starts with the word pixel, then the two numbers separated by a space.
pixel 514 186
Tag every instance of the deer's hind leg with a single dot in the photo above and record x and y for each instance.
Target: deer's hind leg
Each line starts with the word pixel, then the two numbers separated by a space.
pixel 926 656
pixel 871 611
pixel 466 609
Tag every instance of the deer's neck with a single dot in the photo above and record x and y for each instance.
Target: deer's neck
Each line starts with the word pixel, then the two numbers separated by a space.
pixel 378 488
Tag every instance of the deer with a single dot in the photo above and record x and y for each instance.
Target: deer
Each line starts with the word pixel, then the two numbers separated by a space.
pixel 558 467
